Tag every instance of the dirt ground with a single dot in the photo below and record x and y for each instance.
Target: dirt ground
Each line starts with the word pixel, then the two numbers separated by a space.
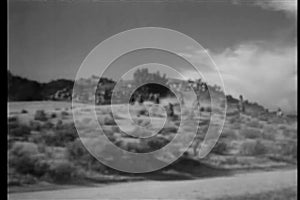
pixel 247 183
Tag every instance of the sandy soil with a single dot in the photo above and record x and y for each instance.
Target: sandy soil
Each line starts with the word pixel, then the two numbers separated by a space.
pixel 248 183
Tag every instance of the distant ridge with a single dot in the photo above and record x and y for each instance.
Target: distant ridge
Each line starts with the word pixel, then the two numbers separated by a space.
pixel 23 89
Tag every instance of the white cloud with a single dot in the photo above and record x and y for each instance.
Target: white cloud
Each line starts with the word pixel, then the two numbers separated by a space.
pixel 287 6
pixel 262 72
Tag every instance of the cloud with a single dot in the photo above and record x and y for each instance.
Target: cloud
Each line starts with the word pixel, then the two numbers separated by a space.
pixel 287 6
pixel 261 71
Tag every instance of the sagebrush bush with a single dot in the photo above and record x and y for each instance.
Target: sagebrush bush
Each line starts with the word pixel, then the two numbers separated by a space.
pixel 24 111
pixel 17 179
pixel 255 124
pixel 145 123
pixel 35 125
pixel 221 148
pixel 40 115
pixel 64 113
pixel 231 161
pixel 269 133
pixel 137 147
pixel 109 121
pixel 59 136
pixel 233 120
pixel 290 133
pixel 229 134
pixel 251 133
pixel 48 125
pixel 167 130
pixel 76 150
pixel 62 171
pixel 22 157
pixel 143 112
pixel 253 148
pixel 156 143
pixel 79 155
pixel 16 129
pixel 41 165
pixel 12 119
pixel 59 124
pixel 289 149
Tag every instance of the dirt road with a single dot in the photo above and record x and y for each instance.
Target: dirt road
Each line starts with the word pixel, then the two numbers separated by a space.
pixel 192 189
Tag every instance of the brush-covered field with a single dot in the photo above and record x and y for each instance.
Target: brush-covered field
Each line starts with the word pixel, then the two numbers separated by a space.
pixel 44 147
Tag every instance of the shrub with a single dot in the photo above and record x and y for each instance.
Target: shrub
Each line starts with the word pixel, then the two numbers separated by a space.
pixel 24 111
pixel 17 179
pixel 253 148
pixel 143 112
pixel 18 130
pixel 145 123
pixel 156 143
pixel 138 121
pixel 109 121
pixel 221 148
pixel 289 149
pixel 255 124
pixel 35 125
pixel 251 133
pixel 64 113
pixel 78 154
pixel 48 125
pixel 229 134
pixel 59 124
pixel 137 147
pixel 62 171
pixel 168 129
pixel 290 133
pixel 233 119
pixel 62 135
pixel 41 165
pixel 115 129
pixel 22 157
pixel 12 119
pixel 40 115
pixel 49 138
pixel 231 161
pixel 76 150
pixel 67 132
pixel 269 133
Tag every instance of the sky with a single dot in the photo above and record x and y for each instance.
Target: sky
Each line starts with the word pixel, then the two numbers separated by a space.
pixel 253 43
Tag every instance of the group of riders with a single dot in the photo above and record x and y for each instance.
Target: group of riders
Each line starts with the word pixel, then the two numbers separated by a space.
pixel 200 88
pixel 155 98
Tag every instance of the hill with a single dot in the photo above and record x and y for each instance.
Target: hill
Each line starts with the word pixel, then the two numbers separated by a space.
pixel 23 89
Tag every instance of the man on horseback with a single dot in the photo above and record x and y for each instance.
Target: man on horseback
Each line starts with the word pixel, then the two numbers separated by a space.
pixel 199 89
